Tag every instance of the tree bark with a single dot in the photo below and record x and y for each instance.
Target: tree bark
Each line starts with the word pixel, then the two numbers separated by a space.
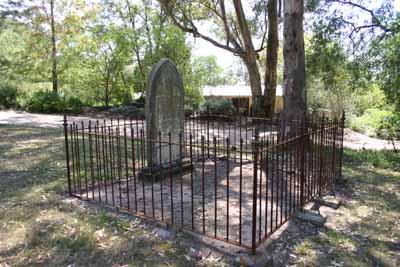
pixel 107 88
pixel 272 59
pixel 54 77
pixel 249 57
pixel 255 85
pixel 295 107
pixel 238 41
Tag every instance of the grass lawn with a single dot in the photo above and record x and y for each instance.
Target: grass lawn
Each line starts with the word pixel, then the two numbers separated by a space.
pixel 40 226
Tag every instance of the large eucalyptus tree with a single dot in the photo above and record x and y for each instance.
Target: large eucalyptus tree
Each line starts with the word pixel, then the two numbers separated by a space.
pixel 236 32
pixel 295 106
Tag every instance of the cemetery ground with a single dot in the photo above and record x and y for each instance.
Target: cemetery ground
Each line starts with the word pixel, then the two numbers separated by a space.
pixel 41 226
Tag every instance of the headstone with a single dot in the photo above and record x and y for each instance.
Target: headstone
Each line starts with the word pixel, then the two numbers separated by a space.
pixel 164 113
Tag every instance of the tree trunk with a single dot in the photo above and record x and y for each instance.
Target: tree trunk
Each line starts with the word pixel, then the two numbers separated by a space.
pixel 272 59
pixel 107 96
pixel 54 77
pixel 250 59
pixel 294 99
pixel 107 88
pixel 255 85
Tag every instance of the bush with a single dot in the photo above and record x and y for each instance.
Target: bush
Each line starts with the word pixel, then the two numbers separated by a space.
pixel 49 102
pixel 390 128
pixel 372 97
pixel 44 102
pixel 74 104
pixel 370 122
pixel 8 97
pixel 218 107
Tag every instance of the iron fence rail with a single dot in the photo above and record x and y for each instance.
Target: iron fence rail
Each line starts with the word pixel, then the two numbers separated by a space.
pixel 236 179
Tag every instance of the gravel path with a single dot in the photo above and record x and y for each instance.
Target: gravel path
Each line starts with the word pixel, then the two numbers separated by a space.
pixel 352 139
pixel 355 140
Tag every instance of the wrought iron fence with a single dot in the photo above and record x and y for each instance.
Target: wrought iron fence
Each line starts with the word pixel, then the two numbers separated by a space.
pixel 235 179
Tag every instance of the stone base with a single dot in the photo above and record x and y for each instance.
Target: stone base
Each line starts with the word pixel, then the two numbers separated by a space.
pixel 329 201
pixel 311 217
pixel 165 170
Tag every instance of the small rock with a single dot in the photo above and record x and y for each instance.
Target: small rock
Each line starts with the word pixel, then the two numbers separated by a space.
pixel 311 217
pixel 192 253
pixel 329 201
pixel 204 253
pixel 162 233
pixel 145 251
pixel 244 261
pixel 363 211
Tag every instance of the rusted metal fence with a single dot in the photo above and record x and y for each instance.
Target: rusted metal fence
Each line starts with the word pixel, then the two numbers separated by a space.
pixel 237 179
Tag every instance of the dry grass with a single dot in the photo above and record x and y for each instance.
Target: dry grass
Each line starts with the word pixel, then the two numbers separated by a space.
pixel 366 230
pixel 39 226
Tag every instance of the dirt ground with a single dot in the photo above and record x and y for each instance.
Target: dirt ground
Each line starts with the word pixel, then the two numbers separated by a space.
pixel 172 196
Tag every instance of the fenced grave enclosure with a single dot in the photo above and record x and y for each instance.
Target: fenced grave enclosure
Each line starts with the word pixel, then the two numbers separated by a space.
pixel 236 179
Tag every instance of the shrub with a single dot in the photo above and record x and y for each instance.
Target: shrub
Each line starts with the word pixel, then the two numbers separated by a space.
pixel 370 122
pixel 8 96
pixel 49 102
pixel 372 97
pixel 218 107
pixel 390 128
pixel 74 104
pixel 44 102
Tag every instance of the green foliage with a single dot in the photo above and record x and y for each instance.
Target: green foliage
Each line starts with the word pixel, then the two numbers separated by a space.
pixel 8 96
pixel 44 102
pixel 105 51
pixel 387 159
pixel 369 97
pixel 49 102
pixel 338 83
pixel 206 71
pixel 74 104
pixel 328 74
pixel 370 122
pixel 218 106
pixel 371 44
pixel 390 71
pixel 390 127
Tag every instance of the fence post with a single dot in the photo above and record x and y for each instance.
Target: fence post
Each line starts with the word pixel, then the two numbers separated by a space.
pixel 208 134
pixel 342 120
pixel 302 162
pixel 255 176
pixel 321 154
pixel 334 146
pixel 67 153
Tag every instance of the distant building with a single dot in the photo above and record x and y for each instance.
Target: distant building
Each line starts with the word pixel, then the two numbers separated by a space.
pixel 240 96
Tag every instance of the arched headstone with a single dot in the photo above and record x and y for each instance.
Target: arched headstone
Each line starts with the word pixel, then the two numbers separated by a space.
pixel 164 112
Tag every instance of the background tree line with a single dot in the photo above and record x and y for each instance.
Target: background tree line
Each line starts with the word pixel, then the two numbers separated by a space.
pixel 96 53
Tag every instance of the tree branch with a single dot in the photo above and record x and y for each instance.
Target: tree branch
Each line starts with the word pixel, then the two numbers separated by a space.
pixel 375 20
pixel 194 31
pixel 229 37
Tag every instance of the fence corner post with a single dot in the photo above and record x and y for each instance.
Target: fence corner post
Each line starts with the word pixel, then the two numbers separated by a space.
pixel 65 124
pixel 254 212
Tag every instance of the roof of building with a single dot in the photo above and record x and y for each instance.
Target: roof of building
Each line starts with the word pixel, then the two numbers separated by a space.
pixel 233 90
